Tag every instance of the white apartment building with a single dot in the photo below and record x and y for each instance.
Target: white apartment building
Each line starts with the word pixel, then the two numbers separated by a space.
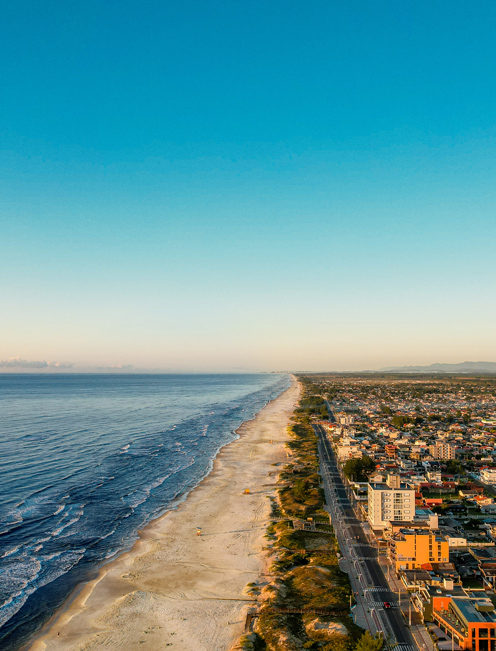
pixel 386 503
pixel 488 475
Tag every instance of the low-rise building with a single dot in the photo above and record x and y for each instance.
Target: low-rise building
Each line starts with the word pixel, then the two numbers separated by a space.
pixel 456 541
pixel 471 623
pixel 488 508
pixel 488 475
pixel 429 596
pixel 482 500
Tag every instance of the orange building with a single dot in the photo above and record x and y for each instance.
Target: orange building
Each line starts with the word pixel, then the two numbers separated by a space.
pixel 409 549
pixel 470 622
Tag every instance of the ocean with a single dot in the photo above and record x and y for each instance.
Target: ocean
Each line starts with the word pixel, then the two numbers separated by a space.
pixel 87 460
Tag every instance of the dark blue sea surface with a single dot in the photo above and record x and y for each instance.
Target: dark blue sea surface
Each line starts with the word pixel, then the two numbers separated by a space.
pixel 88 460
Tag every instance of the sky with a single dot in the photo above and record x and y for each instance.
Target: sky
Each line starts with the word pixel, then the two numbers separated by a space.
pixel 240 186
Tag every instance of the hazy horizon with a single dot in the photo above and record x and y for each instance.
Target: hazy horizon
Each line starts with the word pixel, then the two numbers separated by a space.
pixel 224 187
pixel 19 366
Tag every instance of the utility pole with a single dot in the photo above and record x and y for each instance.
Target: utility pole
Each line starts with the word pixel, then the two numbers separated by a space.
pixel 409 612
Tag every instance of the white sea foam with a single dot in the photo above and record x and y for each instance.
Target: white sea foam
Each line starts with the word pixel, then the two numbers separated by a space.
pixel 18 577
pixel 97 443
pixel 11 551
pixel 107 535
pixel 70 522
pixel 31 569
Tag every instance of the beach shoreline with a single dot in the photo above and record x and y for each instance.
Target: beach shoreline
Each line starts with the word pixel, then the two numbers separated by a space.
pixel 174 588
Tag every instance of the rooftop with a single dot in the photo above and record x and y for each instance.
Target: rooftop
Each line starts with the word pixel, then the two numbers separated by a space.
pixel 441 591
pixel 421 532
pixel 474 610
pixel 384 487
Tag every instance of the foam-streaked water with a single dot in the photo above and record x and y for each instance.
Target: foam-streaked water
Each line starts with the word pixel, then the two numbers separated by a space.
pixel 87 460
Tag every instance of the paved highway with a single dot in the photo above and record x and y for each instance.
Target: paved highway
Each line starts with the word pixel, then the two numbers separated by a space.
pixel 332 418
pixel 368 578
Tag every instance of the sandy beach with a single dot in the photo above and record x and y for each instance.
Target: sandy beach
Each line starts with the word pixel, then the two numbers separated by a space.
pixel 175 589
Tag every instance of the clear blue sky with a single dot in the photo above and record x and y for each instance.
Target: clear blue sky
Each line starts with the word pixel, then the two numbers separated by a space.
pixel 264 184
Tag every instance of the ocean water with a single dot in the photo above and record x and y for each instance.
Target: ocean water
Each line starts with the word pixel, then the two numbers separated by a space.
pixel 87 460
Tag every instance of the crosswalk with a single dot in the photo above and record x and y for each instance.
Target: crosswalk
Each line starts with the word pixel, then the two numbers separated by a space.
pixel 378 589
pixel 399 647
pixel 380 604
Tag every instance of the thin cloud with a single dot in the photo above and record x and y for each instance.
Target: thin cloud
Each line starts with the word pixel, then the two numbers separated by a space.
pixel 17 362
pixel 116 367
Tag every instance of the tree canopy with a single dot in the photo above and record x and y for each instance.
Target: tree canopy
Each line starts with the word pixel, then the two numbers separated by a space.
pixel 370 642
pixel 358 468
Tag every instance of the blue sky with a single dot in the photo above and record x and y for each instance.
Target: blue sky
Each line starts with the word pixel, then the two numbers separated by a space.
pixel 218 186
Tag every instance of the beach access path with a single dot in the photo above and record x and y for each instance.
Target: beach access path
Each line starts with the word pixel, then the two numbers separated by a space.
pixel 178 590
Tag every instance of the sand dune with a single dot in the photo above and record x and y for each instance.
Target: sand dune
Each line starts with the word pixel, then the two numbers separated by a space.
pixel 177 590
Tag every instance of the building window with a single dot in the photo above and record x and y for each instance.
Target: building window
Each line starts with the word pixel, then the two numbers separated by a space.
pixel 483 645
pixel 483 632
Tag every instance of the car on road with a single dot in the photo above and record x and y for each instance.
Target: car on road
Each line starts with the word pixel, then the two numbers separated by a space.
pixel 387 605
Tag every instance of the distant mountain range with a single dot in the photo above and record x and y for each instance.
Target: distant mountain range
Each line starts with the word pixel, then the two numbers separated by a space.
pixel 463 367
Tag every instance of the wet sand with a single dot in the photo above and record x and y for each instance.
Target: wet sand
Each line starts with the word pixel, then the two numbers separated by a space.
pixel 177 590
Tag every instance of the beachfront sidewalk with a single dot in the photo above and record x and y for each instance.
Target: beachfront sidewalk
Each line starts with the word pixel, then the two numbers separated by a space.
pixel 361 610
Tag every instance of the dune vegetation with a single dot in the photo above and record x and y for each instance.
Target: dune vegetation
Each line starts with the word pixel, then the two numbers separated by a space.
pixel 306 604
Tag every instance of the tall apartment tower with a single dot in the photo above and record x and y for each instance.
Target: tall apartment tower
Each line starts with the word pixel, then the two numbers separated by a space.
pixel 386 503
pixel 442 450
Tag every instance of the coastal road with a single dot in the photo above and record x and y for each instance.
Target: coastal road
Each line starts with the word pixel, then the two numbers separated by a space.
pixel 366 575
pixel 332 418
